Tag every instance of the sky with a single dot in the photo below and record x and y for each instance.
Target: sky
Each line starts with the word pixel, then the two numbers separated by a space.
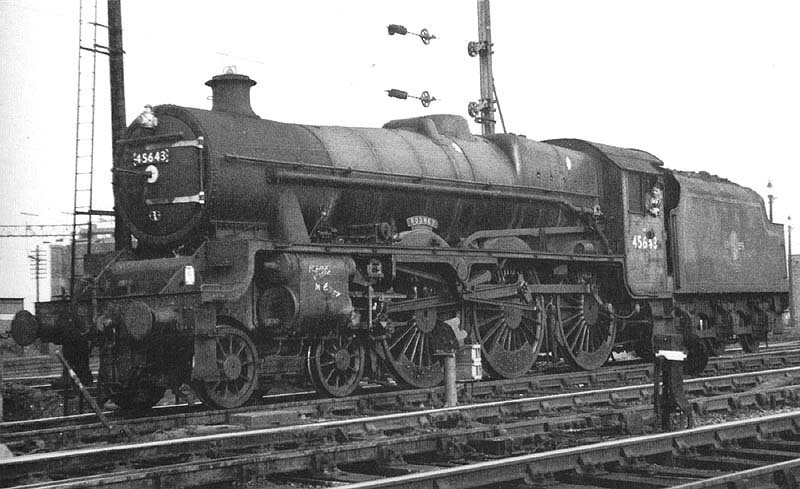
pixel 705 86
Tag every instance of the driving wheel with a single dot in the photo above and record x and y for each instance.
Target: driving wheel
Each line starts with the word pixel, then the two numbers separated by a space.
pixel 411 346
pixel 510 336
pixel 585 330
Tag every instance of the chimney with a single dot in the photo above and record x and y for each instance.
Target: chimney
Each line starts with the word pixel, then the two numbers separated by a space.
pixel 231 93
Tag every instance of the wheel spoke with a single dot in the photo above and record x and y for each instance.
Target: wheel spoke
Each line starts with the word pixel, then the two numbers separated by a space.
pixel 577 337
pixel 572 330
pixel 413 339
pixel 586 339
pixel 421 348
pixel 490 319
pixel 494 329
pixel 505 336
pixel 405 331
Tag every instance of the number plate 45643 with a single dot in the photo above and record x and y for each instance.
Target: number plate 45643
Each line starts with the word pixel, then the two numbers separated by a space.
pixel 644 243
pixel 150 157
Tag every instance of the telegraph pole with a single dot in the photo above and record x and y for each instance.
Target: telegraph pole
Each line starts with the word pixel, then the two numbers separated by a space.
pixel 485 57
pixel 122 238
pixel 38 263
pixel 483 110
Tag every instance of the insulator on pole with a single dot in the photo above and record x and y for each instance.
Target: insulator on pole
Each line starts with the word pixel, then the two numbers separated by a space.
pixel 397 29
pixel 395 93
pixel 424 35
pixel 425 97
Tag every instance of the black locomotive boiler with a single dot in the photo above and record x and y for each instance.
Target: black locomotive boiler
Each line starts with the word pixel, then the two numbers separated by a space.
pixel 264 250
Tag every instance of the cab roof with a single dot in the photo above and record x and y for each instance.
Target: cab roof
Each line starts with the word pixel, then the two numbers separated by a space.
pixel 624 158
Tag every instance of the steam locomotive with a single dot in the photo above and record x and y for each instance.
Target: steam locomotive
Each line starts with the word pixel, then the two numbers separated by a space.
pixel 264 251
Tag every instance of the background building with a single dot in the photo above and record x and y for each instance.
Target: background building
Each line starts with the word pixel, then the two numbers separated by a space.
pixel 60 255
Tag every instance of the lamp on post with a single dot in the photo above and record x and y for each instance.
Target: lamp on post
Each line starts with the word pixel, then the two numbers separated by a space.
pixel 770 198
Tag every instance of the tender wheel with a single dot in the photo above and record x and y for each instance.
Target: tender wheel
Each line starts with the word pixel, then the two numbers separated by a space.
pixel 749 344
pixel 237 366
pixel 696 357
pixel 336 365
pixel 715 347
pixel 644 350
pixel 410 349
pixel 510 337
pixel 585 330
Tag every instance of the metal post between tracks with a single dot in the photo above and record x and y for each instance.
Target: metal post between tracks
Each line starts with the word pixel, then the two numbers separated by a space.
pixel 450 391
pixel 669 398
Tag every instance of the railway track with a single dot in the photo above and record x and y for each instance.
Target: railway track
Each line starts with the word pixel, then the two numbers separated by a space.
pixel 762 452
pixel 19 369
pixel 317 445
pixel 80 429
pixel 36 371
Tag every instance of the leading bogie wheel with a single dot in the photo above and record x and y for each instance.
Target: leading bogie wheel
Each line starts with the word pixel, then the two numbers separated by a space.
pixel 336 364
pixel 237 366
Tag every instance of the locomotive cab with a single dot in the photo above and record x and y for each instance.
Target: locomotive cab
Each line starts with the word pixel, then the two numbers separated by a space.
pixel 633 201
pixel 645 235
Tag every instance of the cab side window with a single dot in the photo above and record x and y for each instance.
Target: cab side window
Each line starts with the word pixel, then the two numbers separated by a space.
pixel 635 193
pixel 645 194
